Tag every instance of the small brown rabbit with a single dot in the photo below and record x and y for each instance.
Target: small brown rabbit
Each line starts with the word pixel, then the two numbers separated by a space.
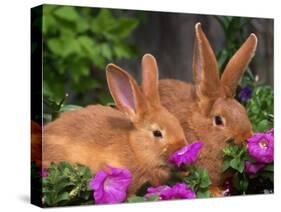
pixel 139 137
pixel 207 109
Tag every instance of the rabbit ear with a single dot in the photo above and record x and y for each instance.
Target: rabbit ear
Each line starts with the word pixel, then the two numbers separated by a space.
pixel 150 79
pixel 125 92
pixel 205 68
pixel 237 65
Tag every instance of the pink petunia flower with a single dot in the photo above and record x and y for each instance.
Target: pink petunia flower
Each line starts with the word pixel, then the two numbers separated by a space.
pixel 253 168
pixel 178 191
pixel 44 173
pixel 111 186
pixel 187 154
pixel 271 131
pixel 261 147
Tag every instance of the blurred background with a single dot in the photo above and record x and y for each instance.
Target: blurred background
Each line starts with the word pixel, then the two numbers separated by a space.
pixel 78 42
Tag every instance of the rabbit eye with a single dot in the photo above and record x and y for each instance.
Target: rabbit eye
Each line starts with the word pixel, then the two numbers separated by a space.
pixel 157 133
pixel 218 120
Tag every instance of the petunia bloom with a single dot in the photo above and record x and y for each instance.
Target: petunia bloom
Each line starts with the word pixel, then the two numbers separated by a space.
pixel 261 147
pixel 271 131
pixel 187 154
pixel 157 191
pixel 245 94
pixel 253 168
pixel 111 186
pixel 44 173
pixel 178 191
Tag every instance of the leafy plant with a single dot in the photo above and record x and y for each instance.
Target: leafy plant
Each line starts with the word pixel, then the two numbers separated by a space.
pixel 53 108
pixel 234 157
pixel 260 108
pixel 244 183
pixel 78 42
pixel 198 179
pixel 135 198
pixel 67 184
pixel 234 32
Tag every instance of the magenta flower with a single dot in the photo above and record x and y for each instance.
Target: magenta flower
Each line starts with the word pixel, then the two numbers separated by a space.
pixel 187 154
pixel 253 168
pixel 271 131
pixel 260 147
pixel 44 173
pixel 156 191
pixel 178 191
pixel 111 186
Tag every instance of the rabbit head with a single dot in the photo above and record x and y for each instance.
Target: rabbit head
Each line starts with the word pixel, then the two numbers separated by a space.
pixel 221 115
pixel 157 133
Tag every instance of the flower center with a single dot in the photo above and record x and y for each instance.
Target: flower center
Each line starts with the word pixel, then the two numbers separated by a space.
pixel 263 144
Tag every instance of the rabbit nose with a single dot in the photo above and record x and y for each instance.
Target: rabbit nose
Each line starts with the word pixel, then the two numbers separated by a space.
pixel 243 137
pixel 251 134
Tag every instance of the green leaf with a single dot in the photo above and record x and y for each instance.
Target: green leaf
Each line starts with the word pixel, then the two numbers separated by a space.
pixel 203 194
pixel 65 185
pixel 123 27
pixel 103 22
pixel 66 13
pixel 262 126
pixel 225 165
pixel 69 108
pixel 135 198
pixel 269 168
pixel 205 180
pixel 86 43
pixel 123 51
pixel 55 46
pixel 106 51
pixel 153 198
pixel 237 164
pixel 62 197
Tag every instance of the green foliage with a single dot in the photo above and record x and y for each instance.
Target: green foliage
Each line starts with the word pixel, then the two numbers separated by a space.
pixel 234 31
pixel 134 199
pixel 67 184
pixel 198 179
pixel 53 108
pixel 78 43
pixel 234 157
pixel 260 108
pixel 243 183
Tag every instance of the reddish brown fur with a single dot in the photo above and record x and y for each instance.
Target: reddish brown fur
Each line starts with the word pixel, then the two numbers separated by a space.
pixel 99 135
pixel 195 105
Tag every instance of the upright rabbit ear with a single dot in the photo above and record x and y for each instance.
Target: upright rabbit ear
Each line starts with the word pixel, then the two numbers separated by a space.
pixel 125 92
pixel 150 79
pixel 237 65
pixel 205 68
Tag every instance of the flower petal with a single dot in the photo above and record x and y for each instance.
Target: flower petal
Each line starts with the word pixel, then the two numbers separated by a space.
pixel 253 168
pixel 111 186
pixel 259 152
pixel 187 154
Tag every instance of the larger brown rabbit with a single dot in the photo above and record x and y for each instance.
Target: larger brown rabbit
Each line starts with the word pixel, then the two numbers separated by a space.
pixel 207 109
pixel 140 136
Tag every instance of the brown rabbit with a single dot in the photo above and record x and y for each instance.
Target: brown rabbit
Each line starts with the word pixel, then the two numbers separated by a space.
pixel 140 136
pixel 207 109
